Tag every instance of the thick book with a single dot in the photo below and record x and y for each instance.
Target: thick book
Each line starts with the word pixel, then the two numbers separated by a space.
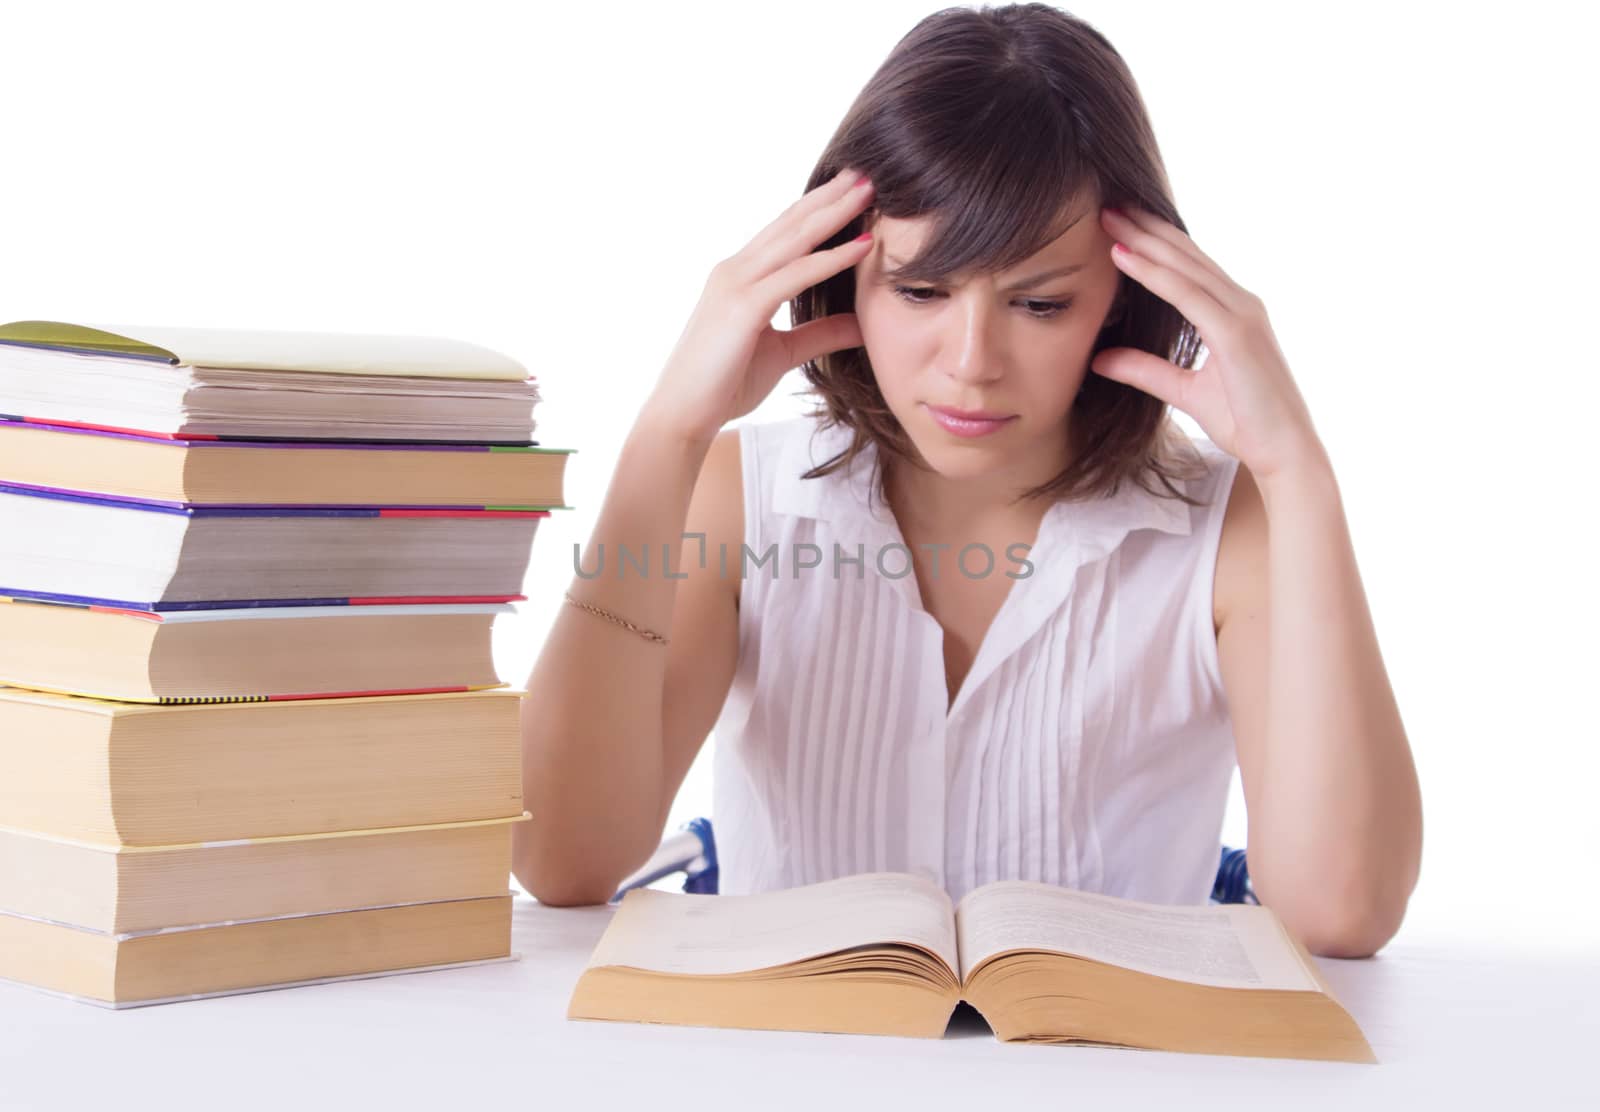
pixel 166 965
pixel 256 383
pixel 888 954
pixel 118 889
pixel 139 555
pixel 254 653
pixel 96 771
pixel 281 472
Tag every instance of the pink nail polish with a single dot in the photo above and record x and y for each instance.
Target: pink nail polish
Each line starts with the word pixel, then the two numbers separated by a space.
pixel 862 237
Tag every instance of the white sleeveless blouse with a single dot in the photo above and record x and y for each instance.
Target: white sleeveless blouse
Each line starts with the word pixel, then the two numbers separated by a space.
pixel 1089 745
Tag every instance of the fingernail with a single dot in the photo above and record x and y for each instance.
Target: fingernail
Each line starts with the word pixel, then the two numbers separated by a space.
pixel 863 237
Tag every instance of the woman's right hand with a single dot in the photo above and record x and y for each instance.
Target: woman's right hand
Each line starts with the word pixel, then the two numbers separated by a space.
pixel 729 357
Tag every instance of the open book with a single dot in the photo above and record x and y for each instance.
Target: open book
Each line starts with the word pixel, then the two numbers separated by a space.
pixel 888 954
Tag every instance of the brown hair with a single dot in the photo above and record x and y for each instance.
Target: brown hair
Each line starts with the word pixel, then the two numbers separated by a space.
pixel 995 121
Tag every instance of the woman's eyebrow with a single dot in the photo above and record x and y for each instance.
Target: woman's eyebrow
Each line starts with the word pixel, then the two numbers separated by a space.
pixel 1024 284
pixel 1045 276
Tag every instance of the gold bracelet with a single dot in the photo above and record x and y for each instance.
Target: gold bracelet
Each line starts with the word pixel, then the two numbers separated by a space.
pixel 648 635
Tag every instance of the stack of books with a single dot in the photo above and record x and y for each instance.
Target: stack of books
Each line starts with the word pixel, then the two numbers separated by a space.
pixel 251 734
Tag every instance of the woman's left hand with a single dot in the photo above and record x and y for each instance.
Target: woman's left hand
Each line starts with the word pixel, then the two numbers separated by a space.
pixel 1243 396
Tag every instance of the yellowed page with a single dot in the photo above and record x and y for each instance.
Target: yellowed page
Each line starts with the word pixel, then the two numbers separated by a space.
pixel 1228 945
pixel 279 350
pixel 682 933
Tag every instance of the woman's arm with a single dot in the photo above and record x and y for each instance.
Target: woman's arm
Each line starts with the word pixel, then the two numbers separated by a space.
pixel 1335 813
pixel 613 719
pixel 606 737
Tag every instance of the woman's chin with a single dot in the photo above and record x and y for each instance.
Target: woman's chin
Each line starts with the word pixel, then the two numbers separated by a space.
pixel 961 460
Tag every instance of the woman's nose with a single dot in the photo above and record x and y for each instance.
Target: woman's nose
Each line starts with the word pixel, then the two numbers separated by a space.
pixel 973 344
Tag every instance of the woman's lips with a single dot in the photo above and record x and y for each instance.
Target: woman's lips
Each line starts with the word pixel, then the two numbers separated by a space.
pixel 953 422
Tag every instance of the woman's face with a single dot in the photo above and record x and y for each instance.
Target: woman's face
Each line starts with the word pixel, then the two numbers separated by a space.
pixel 1012 345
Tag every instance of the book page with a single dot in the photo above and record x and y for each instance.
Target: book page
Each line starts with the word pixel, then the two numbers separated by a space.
pixel 275 349
pixel 1228 945
pixel 685 933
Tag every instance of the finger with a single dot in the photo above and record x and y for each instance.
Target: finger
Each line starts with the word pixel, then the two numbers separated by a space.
pixel 829 191
pixel 1160 378
pixel 785 283
pixel 820 337
pixel 1160 248
pixel 803 234
pixel 1160 226
pixel 1178 289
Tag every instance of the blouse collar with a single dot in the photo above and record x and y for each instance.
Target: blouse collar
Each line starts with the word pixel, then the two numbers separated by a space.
pixel 1072 536
pixel 846 499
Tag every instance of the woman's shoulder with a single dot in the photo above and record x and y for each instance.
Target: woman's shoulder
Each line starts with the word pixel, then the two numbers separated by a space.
pixel 1206 469
pixel 761 448
pixel 744 468
pixel 778 453
pixel 787 437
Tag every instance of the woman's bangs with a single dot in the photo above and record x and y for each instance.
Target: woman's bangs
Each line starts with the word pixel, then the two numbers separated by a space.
pixel 990 210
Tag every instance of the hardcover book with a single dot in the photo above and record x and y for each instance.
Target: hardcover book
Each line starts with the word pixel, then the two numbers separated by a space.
pixel 257 383
pixel 281 472
pixel 141 555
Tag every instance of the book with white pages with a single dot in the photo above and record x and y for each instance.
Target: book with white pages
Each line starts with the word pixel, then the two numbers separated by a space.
pixel 142 555
pixel 263 384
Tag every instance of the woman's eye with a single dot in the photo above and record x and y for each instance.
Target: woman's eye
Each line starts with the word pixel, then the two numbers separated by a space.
pixel 1048 308
pixel 1035 307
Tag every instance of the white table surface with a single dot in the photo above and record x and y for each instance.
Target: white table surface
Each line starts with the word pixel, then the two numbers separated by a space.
pixel 1454 1026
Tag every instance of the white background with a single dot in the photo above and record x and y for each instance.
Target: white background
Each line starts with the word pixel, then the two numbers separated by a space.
pixel 1407 188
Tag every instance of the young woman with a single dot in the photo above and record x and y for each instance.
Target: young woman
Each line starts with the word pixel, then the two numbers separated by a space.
pixel 987 612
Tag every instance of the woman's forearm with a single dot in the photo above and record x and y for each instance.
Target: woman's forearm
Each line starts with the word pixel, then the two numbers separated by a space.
pixel 1339 839
pixel 592 749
